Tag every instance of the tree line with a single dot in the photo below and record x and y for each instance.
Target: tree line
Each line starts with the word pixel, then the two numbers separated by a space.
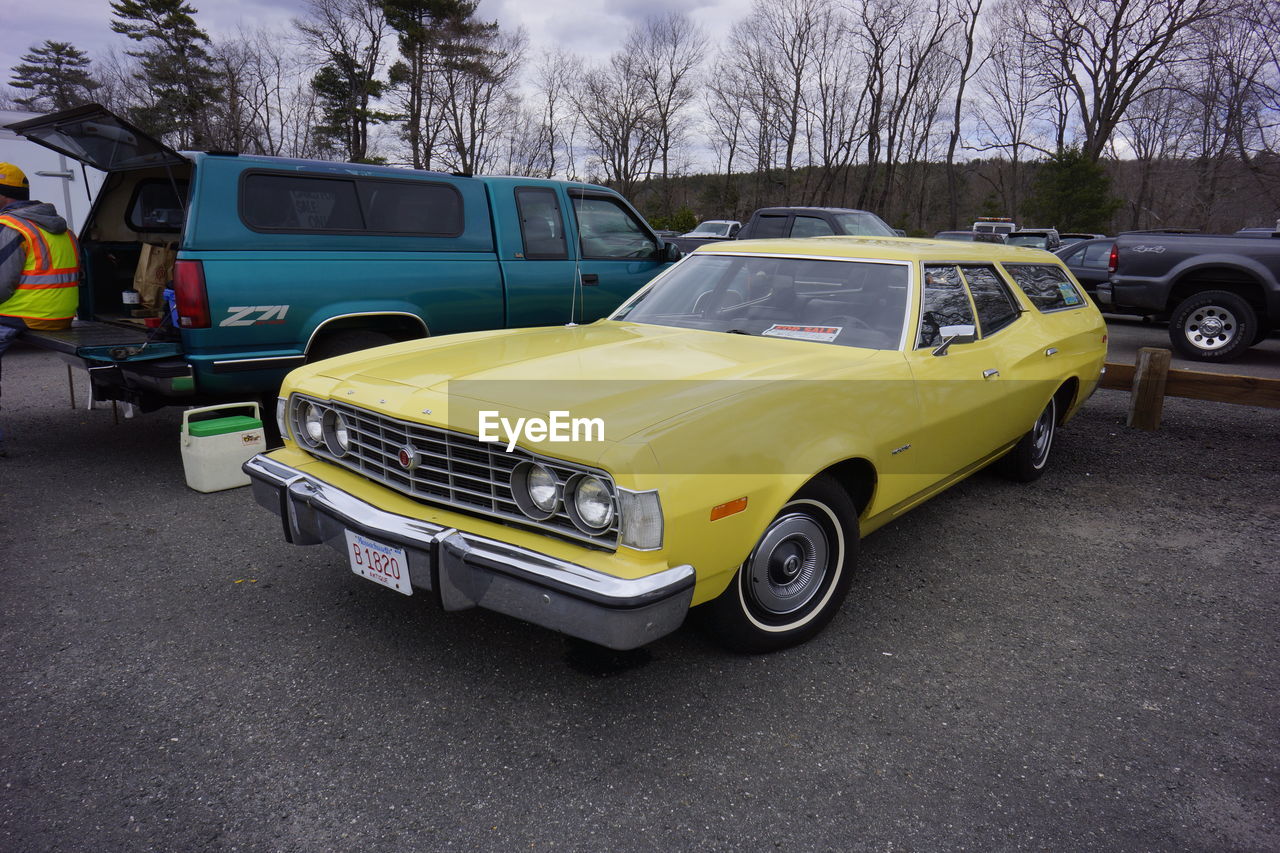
pixel 1085 114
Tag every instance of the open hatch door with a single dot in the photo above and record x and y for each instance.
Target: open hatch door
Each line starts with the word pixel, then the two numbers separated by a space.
pixel 98 137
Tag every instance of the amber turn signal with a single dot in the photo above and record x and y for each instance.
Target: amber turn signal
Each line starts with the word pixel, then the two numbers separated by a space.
pixel 734 506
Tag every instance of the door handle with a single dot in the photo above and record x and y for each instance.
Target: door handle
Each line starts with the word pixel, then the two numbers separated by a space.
pixel 1051 351
pixel 990 373
pixel 589 279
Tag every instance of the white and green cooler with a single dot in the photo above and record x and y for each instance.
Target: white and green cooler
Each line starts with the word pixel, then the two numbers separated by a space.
pixel 213 449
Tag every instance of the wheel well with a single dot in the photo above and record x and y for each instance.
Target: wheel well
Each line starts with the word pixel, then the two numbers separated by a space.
pixel 1066 396
pixel 402 327
pixel 1241 283
pixel 858 479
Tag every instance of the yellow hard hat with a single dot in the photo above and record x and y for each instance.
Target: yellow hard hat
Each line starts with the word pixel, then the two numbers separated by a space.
pixel 13 178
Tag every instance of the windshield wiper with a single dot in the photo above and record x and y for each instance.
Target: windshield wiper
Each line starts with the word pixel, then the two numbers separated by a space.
pixel 738 332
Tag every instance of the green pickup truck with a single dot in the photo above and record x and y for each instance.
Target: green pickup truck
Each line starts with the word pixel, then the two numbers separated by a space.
pixel 282 261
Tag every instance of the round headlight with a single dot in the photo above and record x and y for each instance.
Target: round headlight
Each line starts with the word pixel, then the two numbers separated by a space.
pixel 592 503
pixel 535 489
pixel 337 437
pixel 312 424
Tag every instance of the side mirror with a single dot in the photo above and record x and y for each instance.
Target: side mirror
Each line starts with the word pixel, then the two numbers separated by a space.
pixel 734 229
pixel 964 333
pixel 671 252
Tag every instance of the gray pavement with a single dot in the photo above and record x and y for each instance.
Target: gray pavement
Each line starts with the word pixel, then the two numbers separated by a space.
pixel 1127 334
pixel 1091 662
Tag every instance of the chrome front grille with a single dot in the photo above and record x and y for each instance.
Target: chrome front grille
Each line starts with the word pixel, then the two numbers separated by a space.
pixel 452 469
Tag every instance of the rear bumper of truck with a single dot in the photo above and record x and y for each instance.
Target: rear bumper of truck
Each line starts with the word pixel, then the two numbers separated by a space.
pixel 1147 296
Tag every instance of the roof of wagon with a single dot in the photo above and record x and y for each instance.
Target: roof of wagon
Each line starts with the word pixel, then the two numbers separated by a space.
pixel 884 248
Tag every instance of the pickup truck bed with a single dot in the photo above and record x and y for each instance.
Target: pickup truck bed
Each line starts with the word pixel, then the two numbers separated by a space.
pixel 85 333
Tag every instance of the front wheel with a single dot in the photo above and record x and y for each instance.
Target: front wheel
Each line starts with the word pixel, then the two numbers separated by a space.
pixel 795 578
pixel 1030 456
pixel 1215 325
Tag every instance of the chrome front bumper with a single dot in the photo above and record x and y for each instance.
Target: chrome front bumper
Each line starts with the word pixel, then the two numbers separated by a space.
pixel 463 570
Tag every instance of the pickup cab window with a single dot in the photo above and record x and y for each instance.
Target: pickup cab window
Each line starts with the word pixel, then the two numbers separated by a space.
pixel 1047 286
pixel 608 230
pixel 541 225
pixel 810 226
pixel 767 227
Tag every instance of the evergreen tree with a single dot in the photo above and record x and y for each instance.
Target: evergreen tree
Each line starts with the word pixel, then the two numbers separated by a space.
pixel 175 67
pixel 57 75
pixel 434 36
pixel 1072 192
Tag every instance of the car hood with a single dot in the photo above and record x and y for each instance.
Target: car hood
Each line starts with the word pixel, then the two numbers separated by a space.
pixel 630 376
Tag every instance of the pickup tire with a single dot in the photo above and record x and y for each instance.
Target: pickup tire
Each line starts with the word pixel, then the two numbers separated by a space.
pixel 1214 325
pixel 795 578
pixel 348 341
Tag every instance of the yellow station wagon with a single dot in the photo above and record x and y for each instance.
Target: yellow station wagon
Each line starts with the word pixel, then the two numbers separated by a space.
pixel 719 443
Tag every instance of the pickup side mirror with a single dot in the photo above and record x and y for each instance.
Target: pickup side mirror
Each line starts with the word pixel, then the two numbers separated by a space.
pixel 963 333
pixel 670 252
pixel 734 229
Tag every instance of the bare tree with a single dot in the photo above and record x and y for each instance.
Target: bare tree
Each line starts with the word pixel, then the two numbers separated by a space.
pixel 1102 55
pixel 618 120
pixel 667 50
pixel 969 13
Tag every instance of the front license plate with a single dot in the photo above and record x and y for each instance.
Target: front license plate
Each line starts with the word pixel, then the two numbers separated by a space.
pixel 379 563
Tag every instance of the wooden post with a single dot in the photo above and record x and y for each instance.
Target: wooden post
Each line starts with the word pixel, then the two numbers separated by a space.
pixel 1149 377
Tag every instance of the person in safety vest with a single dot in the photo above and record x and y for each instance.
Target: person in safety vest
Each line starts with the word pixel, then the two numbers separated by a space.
pixel 39 264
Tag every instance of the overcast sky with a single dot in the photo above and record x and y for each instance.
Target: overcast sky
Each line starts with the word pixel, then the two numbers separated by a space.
pixel 591 28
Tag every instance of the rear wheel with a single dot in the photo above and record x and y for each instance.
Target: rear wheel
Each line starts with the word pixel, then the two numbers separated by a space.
pixel 1215 325
pixel 348 341
pixel 1030 456
pixel 795 578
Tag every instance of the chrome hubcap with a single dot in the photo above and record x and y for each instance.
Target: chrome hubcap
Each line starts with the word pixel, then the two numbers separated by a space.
pixel 1210 327
pixel 1042 435
pixel 787 568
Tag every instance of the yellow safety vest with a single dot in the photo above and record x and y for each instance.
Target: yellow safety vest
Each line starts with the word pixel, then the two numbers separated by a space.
pixel 47 293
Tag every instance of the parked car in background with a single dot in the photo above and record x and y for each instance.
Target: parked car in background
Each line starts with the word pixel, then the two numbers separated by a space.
pixel 970 236
pixel 275 262
pixel 995 225
pixel 723 229
pixel 1088 261
pixel 1069 237
pixel 709 231
pixel 761 406
pixel 1260 231
pixel 775 222
pixel 1035 238
pixel 1220 293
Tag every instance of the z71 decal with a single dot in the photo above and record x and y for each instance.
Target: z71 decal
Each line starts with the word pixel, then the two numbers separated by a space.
pixel 255 315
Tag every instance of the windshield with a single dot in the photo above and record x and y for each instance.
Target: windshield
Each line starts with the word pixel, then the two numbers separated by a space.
pixel 710 229
pixel 1032 240
pixel 849 303
pixel 863 224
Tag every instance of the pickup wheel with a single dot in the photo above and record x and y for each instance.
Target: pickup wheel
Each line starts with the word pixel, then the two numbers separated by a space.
pixel 348 341
pixel 1215 325
pixel 795 578
pixel 1030 456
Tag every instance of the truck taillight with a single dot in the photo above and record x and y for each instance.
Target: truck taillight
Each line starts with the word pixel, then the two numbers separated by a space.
pixel 190 293
pixel 1114 260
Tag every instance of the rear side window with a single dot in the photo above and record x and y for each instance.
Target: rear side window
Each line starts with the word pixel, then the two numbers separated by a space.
pixel 289 203
pixel 157 205
pixel 541 224
pixel 311 204
pixel 996 308
pixel 1097 255
pixel 1047 286
pixel 401 207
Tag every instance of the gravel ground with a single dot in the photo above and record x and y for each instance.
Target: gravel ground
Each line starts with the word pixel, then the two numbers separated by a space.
pixel 1086 663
